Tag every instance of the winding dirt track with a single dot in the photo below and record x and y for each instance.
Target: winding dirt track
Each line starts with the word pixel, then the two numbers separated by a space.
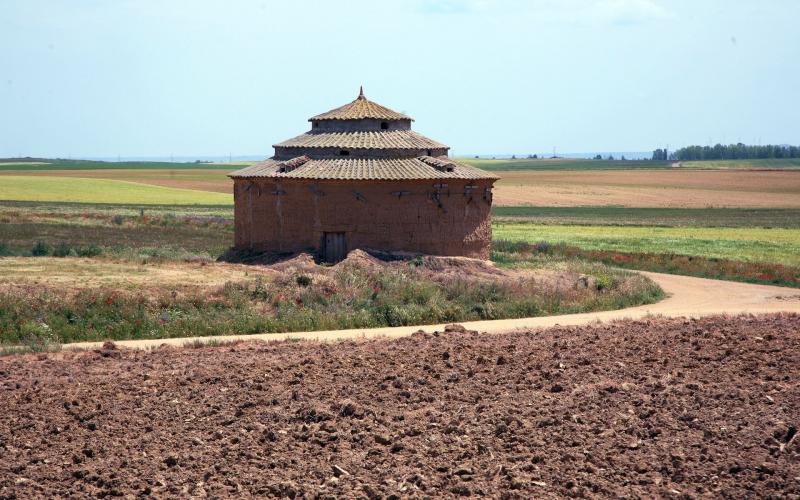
pixel 688 297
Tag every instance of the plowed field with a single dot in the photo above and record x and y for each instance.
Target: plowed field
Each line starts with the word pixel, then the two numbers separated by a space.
pixel 648 408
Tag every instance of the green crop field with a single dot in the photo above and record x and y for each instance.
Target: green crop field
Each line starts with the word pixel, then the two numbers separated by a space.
pixel 780 246
pixel 71 189
pixel 665 217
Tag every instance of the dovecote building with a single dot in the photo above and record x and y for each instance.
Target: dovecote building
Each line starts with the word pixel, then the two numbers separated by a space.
pixel 361 178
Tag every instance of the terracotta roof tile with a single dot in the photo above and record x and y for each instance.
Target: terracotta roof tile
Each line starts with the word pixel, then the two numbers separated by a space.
pixel 359 109
pixel 365 139
pixel 366 169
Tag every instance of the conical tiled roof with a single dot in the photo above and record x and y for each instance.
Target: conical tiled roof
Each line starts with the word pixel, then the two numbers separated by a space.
pixel 362 141
pixel 360 109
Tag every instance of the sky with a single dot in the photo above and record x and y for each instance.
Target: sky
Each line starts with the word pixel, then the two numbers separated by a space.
pixel 87 78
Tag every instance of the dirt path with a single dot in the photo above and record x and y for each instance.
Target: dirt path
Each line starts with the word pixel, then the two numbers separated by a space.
pixel 688 296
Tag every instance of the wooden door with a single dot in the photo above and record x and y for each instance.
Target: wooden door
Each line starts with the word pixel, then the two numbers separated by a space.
pixel 334 247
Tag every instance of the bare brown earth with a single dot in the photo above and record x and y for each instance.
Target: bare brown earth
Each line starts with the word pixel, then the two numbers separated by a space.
pixel 652 408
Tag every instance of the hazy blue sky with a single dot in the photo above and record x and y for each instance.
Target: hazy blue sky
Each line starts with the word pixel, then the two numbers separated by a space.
pixel 195 77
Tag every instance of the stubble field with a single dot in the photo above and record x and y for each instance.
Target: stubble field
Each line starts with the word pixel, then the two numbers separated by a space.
pixel 650 188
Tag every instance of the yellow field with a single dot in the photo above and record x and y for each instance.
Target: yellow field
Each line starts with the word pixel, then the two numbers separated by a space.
pixel 202 179
pixel 92 190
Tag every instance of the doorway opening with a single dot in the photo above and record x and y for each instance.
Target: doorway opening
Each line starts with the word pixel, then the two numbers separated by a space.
pixel 334 247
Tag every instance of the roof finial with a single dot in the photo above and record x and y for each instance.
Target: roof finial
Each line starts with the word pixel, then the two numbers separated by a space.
pixel 361 92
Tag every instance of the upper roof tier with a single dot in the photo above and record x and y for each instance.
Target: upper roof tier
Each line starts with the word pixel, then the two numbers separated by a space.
pixel 360 109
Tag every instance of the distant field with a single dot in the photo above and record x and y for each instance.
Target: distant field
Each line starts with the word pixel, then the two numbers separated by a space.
pixel 201 179
pixel 67 189
pixel 780 163
pixel 585 164
pixel 780 246
pixel 563 164
pixel 651 238
pixel 45 164
pixel 665 217
pixel 668 188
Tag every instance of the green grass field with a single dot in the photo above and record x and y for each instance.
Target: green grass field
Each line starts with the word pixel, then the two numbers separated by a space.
pixel 664 217
pixel 72 189
pixel 779 246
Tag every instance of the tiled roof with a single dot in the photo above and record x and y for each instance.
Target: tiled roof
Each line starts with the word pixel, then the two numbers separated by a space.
pixel 423 167
pixel 364 139
pixel 359 109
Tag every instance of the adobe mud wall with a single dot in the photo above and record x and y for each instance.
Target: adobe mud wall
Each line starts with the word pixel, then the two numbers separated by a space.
pixel 450 218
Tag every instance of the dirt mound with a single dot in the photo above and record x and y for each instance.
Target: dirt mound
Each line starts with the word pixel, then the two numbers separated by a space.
pixel 462 266
pixel 652 408
pixel 363 260
pixel 303 262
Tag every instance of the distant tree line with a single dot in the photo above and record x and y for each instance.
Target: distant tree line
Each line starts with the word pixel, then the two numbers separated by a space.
pixel 728 152
pixel 662 155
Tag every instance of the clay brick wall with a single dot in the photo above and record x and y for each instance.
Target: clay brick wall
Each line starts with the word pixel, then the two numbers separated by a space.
pixel 292 215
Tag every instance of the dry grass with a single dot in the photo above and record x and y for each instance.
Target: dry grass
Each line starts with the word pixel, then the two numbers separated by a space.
pixel 75 274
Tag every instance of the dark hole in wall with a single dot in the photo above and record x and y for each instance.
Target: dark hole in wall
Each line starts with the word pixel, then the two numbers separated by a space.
pixel 344 152
pixel 384 126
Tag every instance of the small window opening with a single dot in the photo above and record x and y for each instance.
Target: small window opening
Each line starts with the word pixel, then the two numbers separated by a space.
pixel 384 125
pixel 430 153
pixel 344 152
pixel 314 125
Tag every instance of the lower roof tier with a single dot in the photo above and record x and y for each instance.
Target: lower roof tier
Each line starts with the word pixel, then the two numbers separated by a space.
pixel 419 168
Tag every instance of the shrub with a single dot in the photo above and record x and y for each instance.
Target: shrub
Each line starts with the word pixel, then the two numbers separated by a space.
pixel 63 250
pixel 507 246
pixel 543 247
pixel 304 280
pixel 89 251
pixel 118 220
pixel 40 249
pixel 604 282
pixel 5 251
pixel 38 337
